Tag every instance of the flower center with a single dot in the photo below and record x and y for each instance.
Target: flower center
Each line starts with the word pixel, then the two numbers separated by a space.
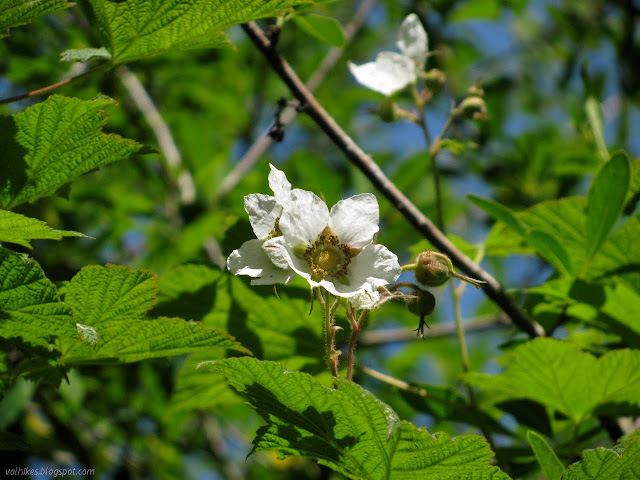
pixel 276 232
pixel 327 257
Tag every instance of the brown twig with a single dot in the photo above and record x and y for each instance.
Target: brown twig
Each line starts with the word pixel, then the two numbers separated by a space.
pixel 263 142
pixel 365 164
pixel 51 88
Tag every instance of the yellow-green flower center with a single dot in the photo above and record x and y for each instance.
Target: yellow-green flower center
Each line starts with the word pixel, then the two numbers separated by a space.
pixel 327 257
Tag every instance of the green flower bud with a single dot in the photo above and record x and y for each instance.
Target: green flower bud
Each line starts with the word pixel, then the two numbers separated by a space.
pixel 435 79
pixel 433 269
pixel 474 107
pixel 388 111
pixel 423 305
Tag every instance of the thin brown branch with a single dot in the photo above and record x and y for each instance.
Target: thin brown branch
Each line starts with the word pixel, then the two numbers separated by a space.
pixel 52 87
pixel 365 164
pixel 183 179
pixel 263 142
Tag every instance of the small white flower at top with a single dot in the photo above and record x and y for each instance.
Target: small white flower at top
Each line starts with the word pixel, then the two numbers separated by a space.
pixel 333 250
pixel 392 71
pixel 264 214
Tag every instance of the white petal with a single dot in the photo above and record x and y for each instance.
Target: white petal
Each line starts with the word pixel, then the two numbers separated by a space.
pixel 388 74
pixel 279 184
pixel 412 39
pixel 278 252
pixel 250 259
pixel 263 211
pixel 364 300
pixel 374 267
pixel 304 218
pixel 355 220
pixel 275 250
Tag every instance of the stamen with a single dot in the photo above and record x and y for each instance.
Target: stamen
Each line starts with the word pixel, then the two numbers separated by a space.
pixel 327 257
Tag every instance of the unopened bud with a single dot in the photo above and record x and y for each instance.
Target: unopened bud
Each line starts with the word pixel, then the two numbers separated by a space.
pixel 388 111
pixel 474 108
pixel 475 90
pixel 423 304
pixel 433 269
pixel 435 79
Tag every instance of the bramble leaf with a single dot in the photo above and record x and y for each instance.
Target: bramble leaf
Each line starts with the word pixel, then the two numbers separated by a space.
pixel 18 229
pixel 141 28
pixel 620 463
pixel 547 459
pixel 605 201
pixel 557 374
pixel 113 300
pixel 348 429
pixel 84 54
pixel 29 305
pixel 18 12
pixel 326 29
pixel 51 143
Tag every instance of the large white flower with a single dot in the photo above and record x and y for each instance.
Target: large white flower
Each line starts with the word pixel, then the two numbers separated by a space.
pixel 333 249
pixel 393 71
pixel 264 214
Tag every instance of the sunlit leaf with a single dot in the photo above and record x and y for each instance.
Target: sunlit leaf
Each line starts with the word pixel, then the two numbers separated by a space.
pixel 19 12
pixel 547 459
pixel 18 229
pixel 348 429
pixel 620 463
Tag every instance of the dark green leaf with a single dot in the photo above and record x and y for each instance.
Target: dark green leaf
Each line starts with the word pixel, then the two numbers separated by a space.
pixel 547 459
pixel 325 29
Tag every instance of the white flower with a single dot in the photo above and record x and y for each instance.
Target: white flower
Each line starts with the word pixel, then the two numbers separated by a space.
pixel 393 71
pixel 365 300
pixel 333 249
pixel 264 214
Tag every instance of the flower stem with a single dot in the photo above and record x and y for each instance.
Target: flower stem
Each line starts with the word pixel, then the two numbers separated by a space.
pixel 331 354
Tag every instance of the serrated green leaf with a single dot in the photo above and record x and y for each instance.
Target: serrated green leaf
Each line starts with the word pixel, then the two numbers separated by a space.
pixel 84 54
pixel 558 375
pixel 51 143
pixel 113 300
pixel 620 463
pixel 594 115
pixel 18 229
pixel 29 305
pixel 325 29
pixel 348 429
pixel 605 201
pixel 141 28
pixel 547 459
pixel 18 12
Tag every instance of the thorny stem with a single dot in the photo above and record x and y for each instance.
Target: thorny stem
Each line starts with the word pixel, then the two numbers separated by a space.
pixel 331 354
pixel 52 87
pixel 356 328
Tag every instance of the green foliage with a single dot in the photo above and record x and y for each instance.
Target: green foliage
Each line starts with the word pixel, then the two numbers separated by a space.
pixel 348 429
pixel 546 457
pixel 557 374
pixel 19 12
pixel 18 229
pixel 620 463
pixel 113 300
pixel 137 28
pixel 53 142
pixel 84 54
pixel 325 29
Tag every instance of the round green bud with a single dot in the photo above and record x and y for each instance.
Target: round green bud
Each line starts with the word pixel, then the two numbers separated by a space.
pixel 388 111
pixel 435 79
pixel 423 305
pixel 433 269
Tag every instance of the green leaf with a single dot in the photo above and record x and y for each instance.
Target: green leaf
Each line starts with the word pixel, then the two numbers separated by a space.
pixel 594 115
pixel 51 143
pixel 543 242
pixel 18 229
pixel 605 200
pixel 18 12
pixel 137 29
pixel 620 463
pixel 547 459
pixel 84 54
pixel 348 429
pixel 457 147
pixel 551 249
pixel 499 212
pixel 113 300
pixel 325 29
pixel 558 374
pixel 29 305
pixel 474 9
